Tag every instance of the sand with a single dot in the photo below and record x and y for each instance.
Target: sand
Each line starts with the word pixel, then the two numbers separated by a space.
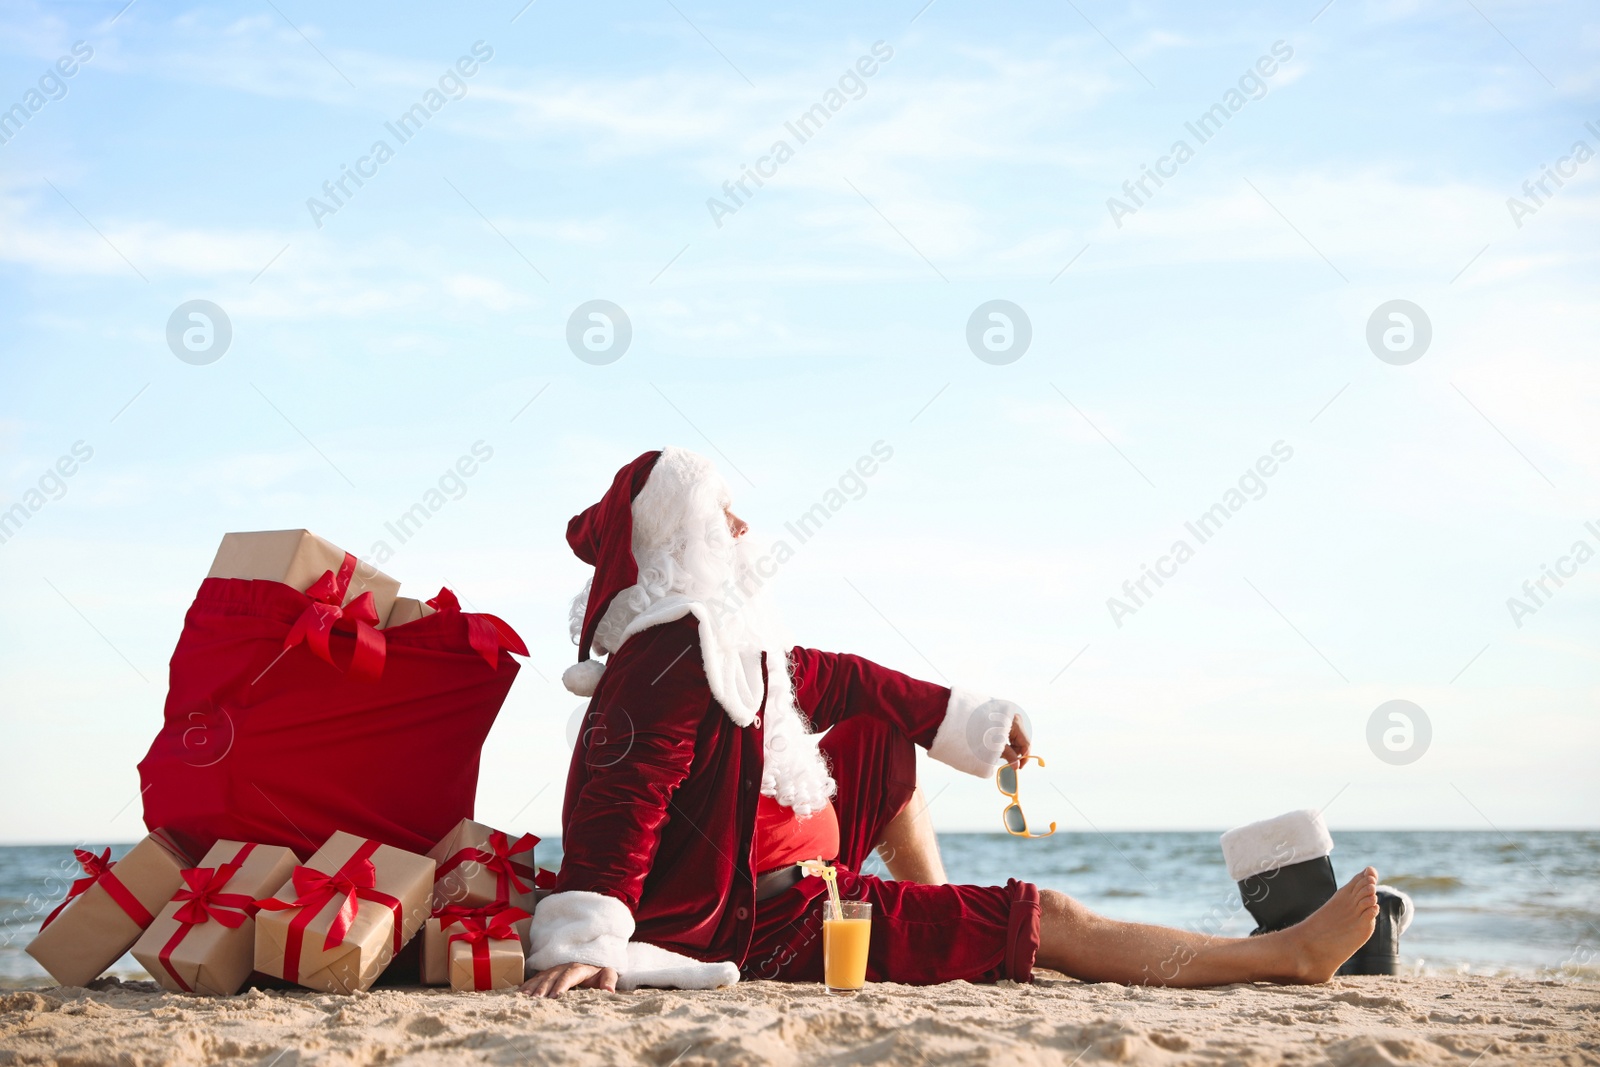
pixel 1352 1022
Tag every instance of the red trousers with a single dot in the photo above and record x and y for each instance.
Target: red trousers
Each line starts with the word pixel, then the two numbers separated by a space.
pixel 921 934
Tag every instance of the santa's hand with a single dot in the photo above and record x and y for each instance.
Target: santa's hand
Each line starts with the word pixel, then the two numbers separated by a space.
pixel 554 981
pixel 1019 745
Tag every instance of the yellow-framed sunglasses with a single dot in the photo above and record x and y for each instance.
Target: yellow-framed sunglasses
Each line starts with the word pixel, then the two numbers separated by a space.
pixel 1016 823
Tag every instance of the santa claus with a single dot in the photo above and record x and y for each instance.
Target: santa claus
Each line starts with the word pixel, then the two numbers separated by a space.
pixel 715 756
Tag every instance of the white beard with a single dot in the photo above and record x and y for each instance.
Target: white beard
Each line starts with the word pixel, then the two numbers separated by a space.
pixel 738 623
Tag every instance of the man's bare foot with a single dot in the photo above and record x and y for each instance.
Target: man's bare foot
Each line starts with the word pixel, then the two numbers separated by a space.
pixel 1333 933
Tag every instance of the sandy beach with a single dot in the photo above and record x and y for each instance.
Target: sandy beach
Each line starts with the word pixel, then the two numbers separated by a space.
pixel 1350 1022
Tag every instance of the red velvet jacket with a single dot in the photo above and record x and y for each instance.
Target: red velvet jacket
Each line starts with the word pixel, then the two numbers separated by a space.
pixel 661 796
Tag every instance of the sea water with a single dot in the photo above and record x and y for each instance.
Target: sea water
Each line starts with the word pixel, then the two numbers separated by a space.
pixel 1523 902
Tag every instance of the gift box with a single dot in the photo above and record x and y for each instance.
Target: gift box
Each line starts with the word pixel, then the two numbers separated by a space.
pixel 486 952
pixel 204 940
pixel 480 866
pixel 406 609
pixel 340 919
pixel 299 558
pixel 107 909
pixel 435 958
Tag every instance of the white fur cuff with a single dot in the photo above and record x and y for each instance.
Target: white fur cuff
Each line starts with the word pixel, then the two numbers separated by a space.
pixel 656 968
pixel 1273 843
pixel 578 927
pixel 974 732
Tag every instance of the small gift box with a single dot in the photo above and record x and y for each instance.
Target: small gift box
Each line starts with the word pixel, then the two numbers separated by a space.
pixel 406 609
pixel 480 866
pixel 454 919
pixel 107 909
pixel 299 558
pixel 339 920
pixel 486 953
pixel 204 940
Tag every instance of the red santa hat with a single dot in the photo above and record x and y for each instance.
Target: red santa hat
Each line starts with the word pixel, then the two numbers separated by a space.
pixel 602 536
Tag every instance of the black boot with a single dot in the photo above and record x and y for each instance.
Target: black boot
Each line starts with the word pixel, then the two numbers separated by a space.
pixel 1282 867
pixel 1284 875
pixel 1280 898
pixel 1381 953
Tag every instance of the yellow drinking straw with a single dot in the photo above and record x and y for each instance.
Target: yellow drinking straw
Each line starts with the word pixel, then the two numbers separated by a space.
pixel 831 878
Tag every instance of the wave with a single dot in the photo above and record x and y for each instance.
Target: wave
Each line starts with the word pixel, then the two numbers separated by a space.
pixel 1425 883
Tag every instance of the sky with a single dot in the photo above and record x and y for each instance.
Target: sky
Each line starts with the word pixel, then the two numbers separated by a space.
pixel 1221 338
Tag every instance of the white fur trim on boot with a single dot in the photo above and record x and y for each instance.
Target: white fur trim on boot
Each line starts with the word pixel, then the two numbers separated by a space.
pixel 582 677
pixel 579 927
pixel 974 732
pixel 656 968
pixel 1408 910
pixel 1272 843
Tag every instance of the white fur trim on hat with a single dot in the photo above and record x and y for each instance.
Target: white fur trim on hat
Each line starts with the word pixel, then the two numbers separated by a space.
pixel 1273 843
pixel 974 732
pixel 579 927
pixel 582 677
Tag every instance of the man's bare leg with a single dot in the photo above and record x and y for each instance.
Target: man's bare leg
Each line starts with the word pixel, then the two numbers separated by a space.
pixel 910 849
pixel 1077 942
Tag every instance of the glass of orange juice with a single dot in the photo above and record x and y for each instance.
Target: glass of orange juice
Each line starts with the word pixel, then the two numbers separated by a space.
pixel 844 946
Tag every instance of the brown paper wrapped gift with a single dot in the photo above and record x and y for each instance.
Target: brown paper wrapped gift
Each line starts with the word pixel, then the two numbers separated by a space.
pixel 298 558
pixel 479 866
pixel 485 953
pixel 204 940
pixel 107 909
pixel 406 609
pixel 337 923
pixel 437 930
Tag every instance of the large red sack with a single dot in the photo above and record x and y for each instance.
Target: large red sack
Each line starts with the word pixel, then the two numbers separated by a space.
pixel 267 743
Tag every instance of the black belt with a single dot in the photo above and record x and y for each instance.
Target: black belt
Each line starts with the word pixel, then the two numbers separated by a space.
pixel 774 882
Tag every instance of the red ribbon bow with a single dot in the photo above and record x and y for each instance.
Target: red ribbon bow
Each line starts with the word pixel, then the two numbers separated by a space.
pixel 356 880
pixel 507 871
pixel 327 609
pixel 505 868
pixel 478 928
pixel 451 914
pixel 97 871
pixel 485 633
pixel 203 900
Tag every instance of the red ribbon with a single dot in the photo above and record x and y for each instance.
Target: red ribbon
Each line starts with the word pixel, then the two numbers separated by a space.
pixel 327 610
pixel 485 633
pixel 355 880
pixel 97 871
pixel 203 901
pixel 508 872
pixel 478 930
pixel 454 913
